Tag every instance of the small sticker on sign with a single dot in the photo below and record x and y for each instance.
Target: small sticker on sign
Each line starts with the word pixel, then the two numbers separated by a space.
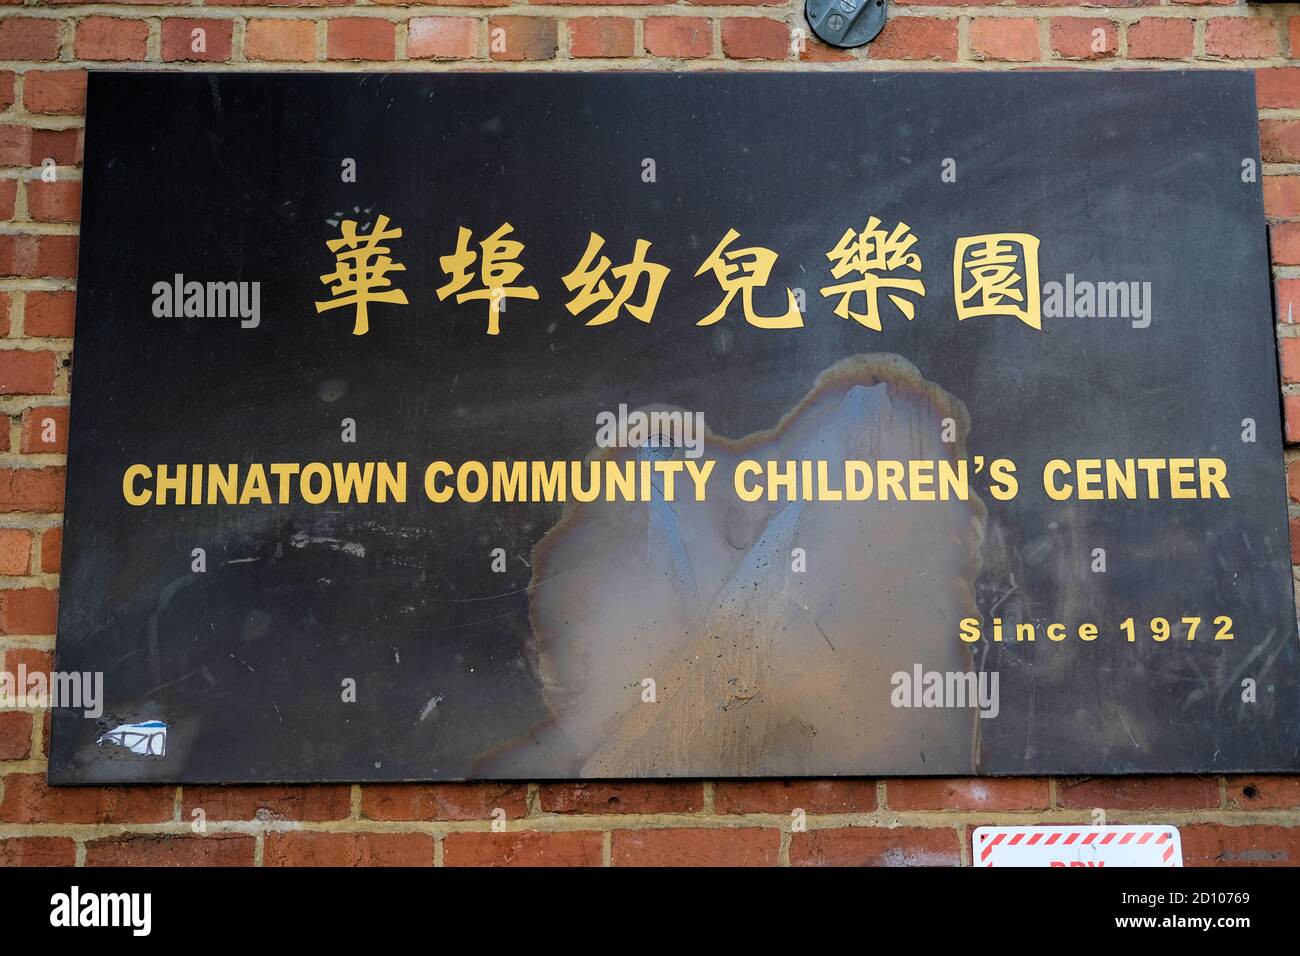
pixel 1078 846
pixel 148 738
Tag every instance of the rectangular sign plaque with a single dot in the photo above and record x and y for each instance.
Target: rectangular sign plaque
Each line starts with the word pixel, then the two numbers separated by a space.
pixel 432 427
pixel 1149 844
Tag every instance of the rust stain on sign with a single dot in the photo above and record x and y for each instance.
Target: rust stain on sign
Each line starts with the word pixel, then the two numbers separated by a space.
pixel 758 667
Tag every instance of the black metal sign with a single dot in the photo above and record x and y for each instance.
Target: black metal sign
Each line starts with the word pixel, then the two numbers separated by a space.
pixel 537 426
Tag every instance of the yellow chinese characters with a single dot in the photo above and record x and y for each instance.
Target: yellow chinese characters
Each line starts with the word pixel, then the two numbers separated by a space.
pixel 735 274
pixel 872 251
pixel 997 274
pixel 588 281
pixel 361 271
pixel 497 270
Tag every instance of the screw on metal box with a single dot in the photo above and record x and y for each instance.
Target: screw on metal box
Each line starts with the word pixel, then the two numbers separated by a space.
pixel 845 23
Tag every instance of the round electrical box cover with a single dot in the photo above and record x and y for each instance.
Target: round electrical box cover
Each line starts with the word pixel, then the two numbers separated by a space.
pixel 845 23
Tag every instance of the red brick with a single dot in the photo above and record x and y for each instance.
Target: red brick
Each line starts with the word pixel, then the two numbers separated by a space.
pixel 27 799
pixel 678 37
pixel 15 735
pixel 729 847
pixel 755 38
pixel 1213 845
pixel 876 846
pixel 107 38
pixel 600 37
pixel 37 851
pixel 1138 793
pixel 280 40
pixel 31 489
pixel 268 803
pixel 217 849
pixel 575 848
pixel 1282 197
pixel 178 40
pixel 522 38
pixel 1074 38
pixel 1291 418
pixel 442 38
pixel 1289 352
pixel 15 551
pixel 360 38
pixel 1284 243
pixel 28 611
pixel 1295 535
pixel 54 202
pixel 1241 38
pixel 661 797
pixel 283 3
pixel 812 50
pixel 8 198
pixel 38 257
pixel 1004 38
pixel 305 848
pixel 32 660
pixel 1277 87
pixel 965 793
pixel 26 372
pixel 15 145
pixel 1265 792
pixel 916 38
pixel 29 38
pixel 61 145
pixel 1160 38
pixel 54 91
pixel 7 89
pixel 443 801
pixel 49 314
pixel 1293 35
pixel 51 550
pixel 784 796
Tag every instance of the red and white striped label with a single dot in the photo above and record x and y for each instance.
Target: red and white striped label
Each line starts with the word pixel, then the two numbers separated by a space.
pixel 1077 846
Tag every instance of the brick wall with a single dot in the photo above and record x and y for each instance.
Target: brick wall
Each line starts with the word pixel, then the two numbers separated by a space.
pixel 45 50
